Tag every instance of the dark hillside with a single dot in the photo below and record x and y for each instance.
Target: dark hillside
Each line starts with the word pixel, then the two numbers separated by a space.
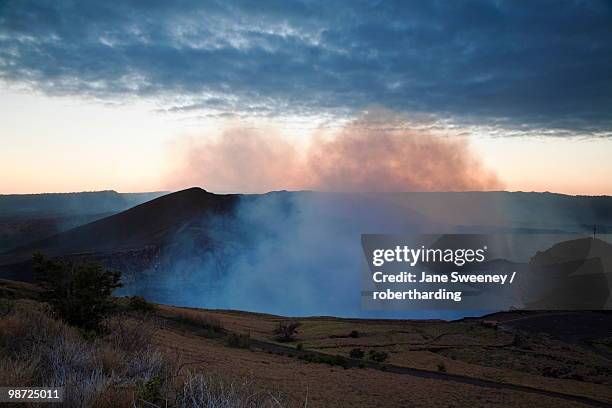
pixel 146 224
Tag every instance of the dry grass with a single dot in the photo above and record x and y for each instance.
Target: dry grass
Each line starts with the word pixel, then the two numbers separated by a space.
pixel 38 350
pixel 142 362
pixel 200 391
pixel 123 368
pixel 464 347
pixel 16 371
pixel 129 334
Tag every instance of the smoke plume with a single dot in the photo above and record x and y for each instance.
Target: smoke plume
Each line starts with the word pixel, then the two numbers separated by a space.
pixel 375 152
pixel 299 253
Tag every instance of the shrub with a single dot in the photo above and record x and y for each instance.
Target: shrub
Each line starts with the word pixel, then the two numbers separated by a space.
pixel 555 372
pixel 26 328
pixel 239 340
pixel 325 359
pixel 13 333
pixel 378 356
pixel 128 334
pixel 286 330
pixel 151 391
pixel 299 347
pixel 140 304
pixel 441 367
pixel 354 334
pixel 339 361
pixel 356 353
pixel 211 326
pixel 80 293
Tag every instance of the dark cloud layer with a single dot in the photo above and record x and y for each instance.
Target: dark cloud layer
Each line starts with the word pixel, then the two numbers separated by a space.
pixel 525 65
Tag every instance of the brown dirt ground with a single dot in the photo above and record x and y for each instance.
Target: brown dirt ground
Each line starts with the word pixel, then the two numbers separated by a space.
pixel 418 344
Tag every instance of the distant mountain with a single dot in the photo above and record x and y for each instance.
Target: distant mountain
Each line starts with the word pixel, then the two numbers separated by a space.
pixel 511 209
pixel 20 230
pixel 26 218
pixel 94 202
pixel 193 223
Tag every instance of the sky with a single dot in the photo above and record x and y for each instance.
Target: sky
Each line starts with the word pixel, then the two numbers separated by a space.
pixel 238 96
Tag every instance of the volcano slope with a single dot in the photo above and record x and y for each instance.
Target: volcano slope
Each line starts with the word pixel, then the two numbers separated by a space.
pixel 135 234
pixel 182 224
pixel 155 221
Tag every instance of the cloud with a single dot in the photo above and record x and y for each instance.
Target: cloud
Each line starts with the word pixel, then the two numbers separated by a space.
pixel 520 65
pixel 375 152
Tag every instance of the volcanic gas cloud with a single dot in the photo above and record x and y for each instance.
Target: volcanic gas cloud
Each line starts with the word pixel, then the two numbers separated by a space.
pixel 375 152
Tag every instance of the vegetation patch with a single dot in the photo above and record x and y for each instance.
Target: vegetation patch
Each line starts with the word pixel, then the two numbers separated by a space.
pixel 335 360
pixel 378 356
pixel 140 304
pixel 203 323
pixel 79 292
pixel 356 353
pixel 286 331
pixel 239 340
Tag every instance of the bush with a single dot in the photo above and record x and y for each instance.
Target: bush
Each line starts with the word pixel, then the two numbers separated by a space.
pixel 378 356
pixel 239 340
pixel 286 330
pixel 140 304
pixel 210 326
pixel 356 353
pixel 441 367
pixel 354 334
pixel 335 360
pixel 339 361
pixel 128 334
pixel 299 347
pixel 80 293
pixel 151 391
